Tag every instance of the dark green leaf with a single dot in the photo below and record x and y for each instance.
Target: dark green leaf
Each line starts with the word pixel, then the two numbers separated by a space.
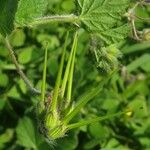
pixel 7 13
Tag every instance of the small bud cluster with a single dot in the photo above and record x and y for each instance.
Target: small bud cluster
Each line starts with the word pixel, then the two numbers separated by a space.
pixel 107 58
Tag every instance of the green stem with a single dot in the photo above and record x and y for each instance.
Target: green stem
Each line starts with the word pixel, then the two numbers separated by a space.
pixel 70 78
pixel 83 100
pixel 58 80
pixel 64 82
pixel 57 18
pixel 87 122
pixel 43 88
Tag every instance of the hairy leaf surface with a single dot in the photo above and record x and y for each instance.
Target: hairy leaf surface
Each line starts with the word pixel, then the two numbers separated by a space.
pixel 7 13
pixel 105 17
pixel 28 10
pixel 114 35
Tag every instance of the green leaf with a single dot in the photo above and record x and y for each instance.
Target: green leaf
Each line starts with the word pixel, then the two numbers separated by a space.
pixel 102 14
pixel 84 99
pixel 105 18
pixel 22 86
pixel 114 35
pixel 26 133
pixel 25 56
pixel 6 137
pixel 29 10
pixel 2 102
pixel 70 142
pixel 13 93
pixel 98 128
pixel 138 47
pixel 7 13
pixel 17 38
pixel 91 144
pixel 80 2
pixel 4 80
pixel 139 107
pixel 139 62
pixel 53 65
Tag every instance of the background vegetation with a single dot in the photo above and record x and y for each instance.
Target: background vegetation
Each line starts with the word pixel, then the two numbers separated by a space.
pixel 129 87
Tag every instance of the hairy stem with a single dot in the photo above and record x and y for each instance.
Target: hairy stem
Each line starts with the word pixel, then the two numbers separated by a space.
pixel 57 18
pixel 21 73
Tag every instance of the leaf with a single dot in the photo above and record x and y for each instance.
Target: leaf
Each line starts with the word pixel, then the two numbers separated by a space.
pixel 139 62
pixel 98 128
pixel 53 65
pixel 138 47
pixel 7 13
pixel 28 136
pixel 4 80
pixel 13 93
pixel 2 102
pixel 28 10
pixel 139 86
pixel 22 86
pixel 104 17
pixel 102 14
pixel 84 99
pixel 139 107
pixel 114 35
pixel 26 133
pixel 26 55
pixel 70 142
pixel 80 2
pixel 6 137
pixel 91 144
pixel 17 38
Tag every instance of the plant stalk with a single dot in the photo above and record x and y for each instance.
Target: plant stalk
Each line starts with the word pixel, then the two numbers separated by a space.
pixel 83 100
pixel 58 80
pixel 96 119
pixel 43 88
pixel 21 73
pixel 70 77
pixel 56 18
pixel 67 71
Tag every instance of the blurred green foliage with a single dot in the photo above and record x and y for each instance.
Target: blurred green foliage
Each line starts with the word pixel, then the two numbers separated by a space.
pixel 129 87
